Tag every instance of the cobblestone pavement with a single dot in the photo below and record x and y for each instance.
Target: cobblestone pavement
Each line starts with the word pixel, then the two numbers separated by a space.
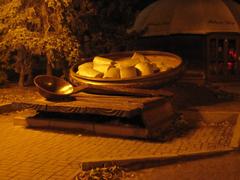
pixel 37 154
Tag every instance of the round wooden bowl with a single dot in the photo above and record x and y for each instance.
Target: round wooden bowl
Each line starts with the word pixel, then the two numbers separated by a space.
pixel 149 81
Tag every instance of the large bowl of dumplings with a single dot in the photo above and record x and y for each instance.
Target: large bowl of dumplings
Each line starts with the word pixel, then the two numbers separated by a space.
pixel 139 69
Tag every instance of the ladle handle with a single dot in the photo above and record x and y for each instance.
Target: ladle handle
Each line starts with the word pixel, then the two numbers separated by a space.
pixel 82 87
pixel 125 91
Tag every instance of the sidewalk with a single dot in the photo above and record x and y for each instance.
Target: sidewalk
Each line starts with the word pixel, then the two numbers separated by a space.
pixel 38 154
pixel 48 154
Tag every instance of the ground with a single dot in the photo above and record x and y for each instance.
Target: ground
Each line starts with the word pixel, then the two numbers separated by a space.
pixel 54 154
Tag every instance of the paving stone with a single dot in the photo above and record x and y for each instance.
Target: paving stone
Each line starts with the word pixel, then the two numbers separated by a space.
pixel 42 154
pixel 46 154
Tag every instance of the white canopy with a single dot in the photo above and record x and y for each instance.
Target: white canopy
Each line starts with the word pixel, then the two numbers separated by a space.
pixel 165 17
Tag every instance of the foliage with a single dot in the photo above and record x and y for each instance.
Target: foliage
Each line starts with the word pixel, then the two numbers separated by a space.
pixel 101 26
pixel 36 27
pixel 56 28
pixel 106 173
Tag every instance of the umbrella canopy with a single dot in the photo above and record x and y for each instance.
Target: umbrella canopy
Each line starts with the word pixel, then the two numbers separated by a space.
pixel 165 17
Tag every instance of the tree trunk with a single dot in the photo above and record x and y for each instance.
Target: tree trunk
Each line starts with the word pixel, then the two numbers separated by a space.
pixel 49 69
pixel 30 71
pixel 30 77
pixel 21 77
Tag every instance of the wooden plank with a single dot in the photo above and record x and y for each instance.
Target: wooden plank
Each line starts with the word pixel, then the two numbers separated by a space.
pixel 29 105
pixel 87 109
pixel 119 106
pixel 111 90
pixel 144 101
pixel 87 105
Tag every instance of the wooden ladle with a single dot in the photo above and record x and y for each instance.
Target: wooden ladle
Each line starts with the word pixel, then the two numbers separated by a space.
pixel 52 87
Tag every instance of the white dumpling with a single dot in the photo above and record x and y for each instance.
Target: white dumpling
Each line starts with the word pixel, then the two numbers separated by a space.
pixel 162 66
pixel 128 72
pixel 89 72
pixel 102 60
pixel 126 62
pixel 85 65
pixel 140 57
pixel 113 72
pixel 145 68
pixel 103 68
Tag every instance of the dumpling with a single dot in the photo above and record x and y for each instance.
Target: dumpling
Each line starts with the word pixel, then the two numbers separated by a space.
pixel 89 72
pixel 145 68
pixel 102 64
pixel 86 65
pixel 155 68
pixel 126 62
pixel 103 68
pixel 113 72
pixel 165 62
pixel 140 57
pixel 128 72
pixel 102 60
pixel 162 66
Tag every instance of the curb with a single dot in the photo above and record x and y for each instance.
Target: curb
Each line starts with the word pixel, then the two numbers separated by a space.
pixel 144 162
pixel 133 164
pixel 235 142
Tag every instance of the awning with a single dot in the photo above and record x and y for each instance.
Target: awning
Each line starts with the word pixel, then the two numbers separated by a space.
pixel 165 17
